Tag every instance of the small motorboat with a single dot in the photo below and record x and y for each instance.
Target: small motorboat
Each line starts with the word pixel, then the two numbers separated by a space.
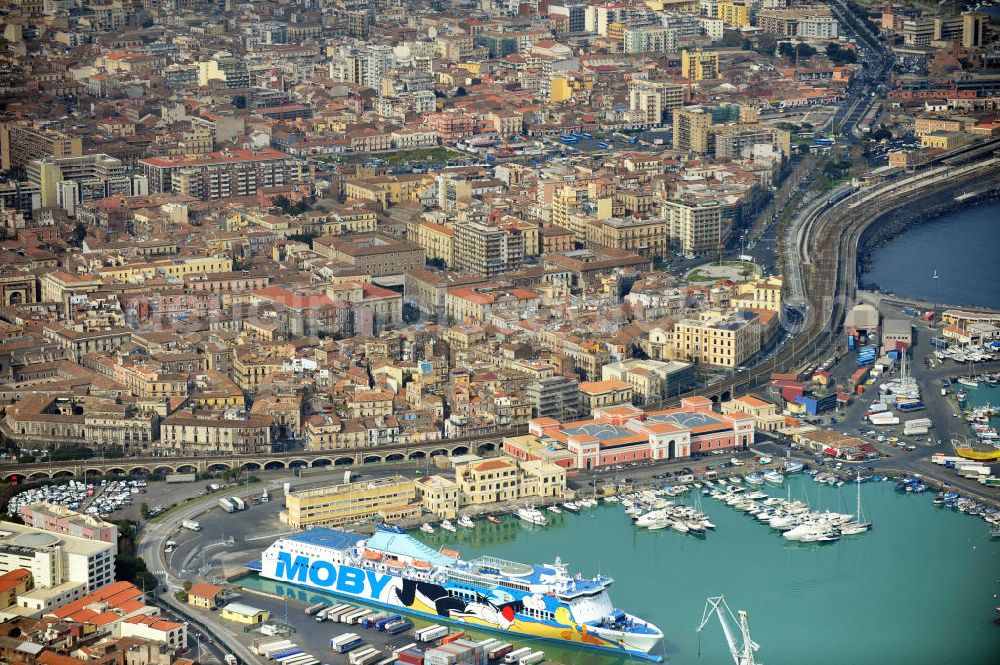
pixel 466 522
pixel 426 528
pixel 571 507
pixel 494 520
pixel 448 526
pixel 554 509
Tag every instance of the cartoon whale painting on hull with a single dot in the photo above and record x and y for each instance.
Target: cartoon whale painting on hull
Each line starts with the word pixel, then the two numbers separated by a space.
pixel 395 570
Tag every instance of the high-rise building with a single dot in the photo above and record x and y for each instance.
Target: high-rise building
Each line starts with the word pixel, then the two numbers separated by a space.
pixel 695 228
pixel 734 14
pixel 692 129
pixel 974 27
pixel 379 60
pixel 488 250
pixel 21 142
pixel 66 182
pixel 554 397
pixel 699 65
pixel 655 98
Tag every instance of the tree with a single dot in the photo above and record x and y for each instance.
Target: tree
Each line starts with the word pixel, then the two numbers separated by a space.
pixel 840 55
pixel 181 596
pixel 187 585
pixel 144 510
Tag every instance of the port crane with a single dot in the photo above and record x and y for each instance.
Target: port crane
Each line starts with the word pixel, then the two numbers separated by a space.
pixel 742 655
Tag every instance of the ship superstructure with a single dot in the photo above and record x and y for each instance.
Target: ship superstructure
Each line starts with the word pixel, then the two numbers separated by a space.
pixel 396 570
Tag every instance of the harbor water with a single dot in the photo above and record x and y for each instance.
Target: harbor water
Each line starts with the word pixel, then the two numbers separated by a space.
pixel 961 246
pixel 920 587
pixel 982 396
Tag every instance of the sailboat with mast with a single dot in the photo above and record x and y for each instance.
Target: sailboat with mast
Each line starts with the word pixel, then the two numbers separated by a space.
pixel 859 525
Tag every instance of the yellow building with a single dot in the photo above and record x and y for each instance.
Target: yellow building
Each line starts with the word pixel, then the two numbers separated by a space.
pixel 699 65
pixel 439 495
pixel 719 338
pixel 944 140
pixel 349 502
pixel 759 293
pixel 245 614
pixel 506 479
pixel 765 415
pixel 734 14
pixel 168 268
pixel 437 240
pixel 692 129
pixel 204 595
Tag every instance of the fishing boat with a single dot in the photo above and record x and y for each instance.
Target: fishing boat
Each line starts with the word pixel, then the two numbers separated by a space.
pixel 399 573
pixel 493 520
pixel 426 528
pixel 466 522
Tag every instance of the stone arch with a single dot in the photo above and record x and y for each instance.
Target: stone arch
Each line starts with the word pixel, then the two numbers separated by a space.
pixel 726 395
pixel 292 464
pixel 439 451
pixel 115 471
pixel 93 471
pixel 460 450
pixel 162 470
pixel 63 474
pixel 139 471
pixel 186 468
pixel 395 457
pixel 251 466
pixel 343 461
pixel 218 467
pixel 715 400
pixel 487 447
pixel 39 475
pixel 273 465
pixel 321 461
pixel 417 454
pixel 15 298
pixel 372 459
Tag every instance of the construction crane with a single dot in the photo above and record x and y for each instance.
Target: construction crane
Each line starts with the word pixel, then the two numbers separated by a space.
pixel 742 655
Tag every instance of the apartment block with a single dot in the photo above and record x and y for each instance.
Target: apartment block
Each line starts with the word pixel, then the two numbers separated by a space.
pixel 488 250
pixel 695 228
pixel 220 175
pixel 692 129
pixel 655 98
pixel 21 142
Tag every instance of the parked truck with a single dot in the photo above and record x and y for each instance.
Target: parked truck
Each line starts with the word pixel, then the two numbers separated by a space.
pixel 227 505
pixel 190 525
pixel 238 503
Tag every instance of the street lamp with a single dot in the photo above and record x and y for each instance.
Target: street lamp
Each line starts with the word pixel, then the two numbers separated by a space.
pixel 935 278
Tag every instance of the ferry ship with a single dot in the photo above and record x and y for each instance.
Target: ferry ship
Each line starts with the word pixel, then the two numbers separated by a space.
pixel 395 570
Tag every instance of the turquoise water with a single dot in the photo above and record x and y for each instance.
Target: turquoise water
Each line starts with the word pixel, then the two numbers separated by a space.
pixel 921 587
pixel 984 395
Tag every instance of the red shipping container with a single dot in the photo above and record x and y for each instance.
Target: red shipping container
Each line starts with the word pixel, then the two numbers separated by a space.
pixel 411 657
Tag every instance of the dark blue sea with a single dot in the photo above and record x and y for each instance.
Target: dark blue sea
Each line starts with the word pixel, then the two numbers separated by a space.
pixel 963 247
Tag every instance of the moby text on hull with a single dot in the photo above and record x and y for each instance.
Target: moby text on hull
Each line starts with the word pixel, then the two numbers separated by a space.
pixel 396 570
